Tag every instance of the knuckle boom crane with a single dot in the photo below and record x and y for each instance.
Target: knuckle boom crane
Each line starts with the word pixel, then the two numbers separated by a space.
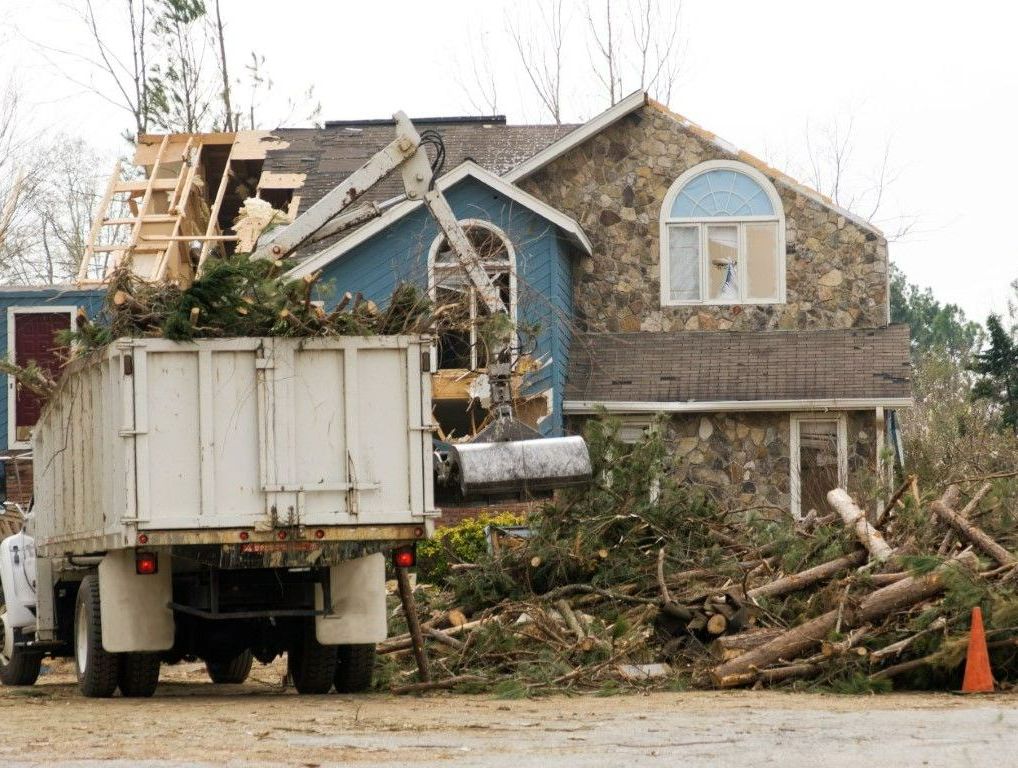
pixel 507 456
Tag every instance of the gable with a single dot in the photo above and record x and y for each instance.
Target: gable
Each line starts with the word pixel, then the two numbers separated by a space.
pixel 474 188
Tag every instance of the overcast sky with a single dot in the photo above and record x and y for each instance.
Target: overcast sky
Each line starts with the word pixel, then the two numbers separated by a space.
pixel 937 82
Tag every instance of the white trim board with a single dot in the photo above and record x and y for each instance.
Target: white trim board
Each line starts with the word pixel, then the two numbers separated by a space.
pixel 638 99
pixel 822 404
pixel 592 127
pixel 460 172
pixel 795 455
pixel 12 399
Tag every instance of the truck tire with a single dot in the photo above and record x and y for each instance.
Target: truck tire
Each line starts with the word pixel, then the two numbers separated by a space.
pixel 231 672
pixel 355 666
pixel 97 668
pixel 17 666
pixel 139 675
pixel 311 664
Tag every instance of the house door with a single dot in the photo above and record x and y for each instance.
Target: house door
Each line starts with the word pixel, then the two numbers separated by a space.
pixel 819 461
pixel 30 338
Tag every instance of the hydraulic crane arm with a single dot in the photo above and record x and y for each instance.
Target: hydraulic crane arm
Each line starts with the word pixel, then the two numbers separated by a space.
pixel 405 153
pixel 507 456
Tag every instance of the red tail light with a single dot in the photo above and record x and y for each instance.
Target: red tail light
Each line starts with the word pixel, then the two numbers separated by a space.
pixel 146 563
pixel 405 557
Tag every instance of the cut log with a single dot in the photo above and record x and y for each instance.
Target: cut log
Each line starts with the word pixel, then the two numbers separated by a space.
pixel 717 624
pixel 972 533
pixel 729 646
pixel 788 672
pixel 855 518
pixel 796 641
pixel 803 579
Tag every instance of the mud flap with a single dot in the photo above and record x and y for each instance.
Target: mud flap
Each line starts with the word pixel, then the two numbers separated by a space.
pixel 358 603
pixel 134 608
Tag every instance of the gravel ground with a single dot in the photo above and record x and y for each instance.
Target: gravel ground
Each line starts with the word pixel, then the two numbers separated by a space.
pixel 192 723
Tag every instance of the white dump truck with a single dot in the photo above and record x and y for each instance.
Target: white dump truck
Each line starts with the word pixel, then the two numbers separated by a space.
pixel 232 499
pixel 221 500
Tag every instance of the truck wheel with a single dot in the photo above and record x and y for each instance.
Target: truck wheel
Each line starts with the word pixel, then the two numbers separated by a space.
pixel 234 671
pixel 17 666
pixel 139 675
pixel 97 668
pixel 355 665
pixel 312 665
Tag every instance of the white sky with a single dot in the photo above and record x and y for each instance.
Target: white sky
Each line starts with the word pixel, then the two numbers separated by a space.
pixel 937 80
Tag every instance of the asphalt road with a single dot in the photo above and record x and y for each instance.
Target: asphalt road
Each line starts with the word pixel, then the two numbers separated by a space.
pixel 192 723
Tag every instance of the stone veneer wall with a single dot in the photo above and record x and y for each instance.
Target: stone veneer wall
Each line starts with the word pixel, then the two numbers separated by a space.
pixel 614 185
pixel 742 459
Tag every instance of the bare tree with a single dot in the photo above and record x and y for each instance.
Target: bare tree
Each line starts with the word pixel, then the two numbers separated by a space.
pixel 606 41
pixel 229 119
pixel 480 88
pixel 541 53
pixel 656 31
pixel 833 169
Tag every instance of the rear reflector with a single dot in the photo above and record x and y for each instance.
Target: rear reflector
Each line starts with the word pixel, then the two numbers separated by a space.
pixel 405 557
pixel 146 563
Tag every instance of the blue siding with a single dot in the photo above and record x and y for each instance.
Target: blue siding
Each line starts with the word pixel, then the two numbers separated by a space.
pixel 90 300
pixel 543 272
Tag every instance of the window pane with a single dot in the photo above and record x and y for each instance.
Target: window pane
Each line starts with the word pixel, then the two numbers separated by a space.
pixel 721 193
pixel 722 266
pixel 762 261
pixel 684 263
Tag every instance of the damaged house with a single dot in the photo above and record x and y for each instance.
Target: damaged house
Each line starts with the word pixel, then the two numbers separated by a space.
pixel 651 268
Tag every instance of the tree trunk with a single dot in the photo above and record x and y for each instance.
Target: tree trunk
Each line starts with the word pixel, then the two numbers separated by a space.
pixel 855 518
pixel 731 646
pixel 972 533
pixel 803 579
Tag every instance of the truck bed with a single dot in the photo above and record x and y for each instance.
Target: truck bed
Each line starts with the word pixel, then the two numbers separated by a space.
pixel 194 442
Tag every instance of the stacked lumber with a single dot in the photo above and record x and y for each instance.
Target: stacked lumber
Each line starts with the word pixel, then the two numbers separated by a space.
pixel 620 588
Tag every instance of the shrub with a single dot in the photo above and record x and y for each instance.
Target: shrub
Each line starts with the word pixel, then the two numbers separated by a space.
pixel 464 542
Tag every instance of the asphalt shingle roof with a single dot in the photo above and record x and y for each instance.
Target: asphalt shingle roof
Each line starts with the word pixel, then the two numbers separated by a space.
pixel 713 366
pixel 330 154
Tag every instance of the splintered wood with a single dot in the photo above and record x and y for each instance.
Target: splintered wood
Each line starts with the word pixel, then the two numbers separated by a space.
pixel 162 213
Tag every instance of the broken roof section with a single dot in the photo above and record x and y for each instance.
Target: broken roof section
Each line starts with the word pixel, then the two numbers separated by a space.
pixel 330 154
pixel 747 370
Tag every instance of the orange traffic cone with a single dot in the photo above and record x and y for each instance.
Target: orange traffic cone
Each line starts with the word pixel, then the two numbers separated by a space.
pixel 978 677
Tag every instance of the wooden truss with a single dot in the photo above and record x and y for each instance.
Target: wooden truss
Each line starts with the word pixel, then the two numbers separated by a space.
pixel 161 212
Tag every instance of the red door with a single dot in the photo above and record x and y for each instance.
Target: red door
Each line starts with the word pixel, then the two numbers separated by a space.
pixel 34 342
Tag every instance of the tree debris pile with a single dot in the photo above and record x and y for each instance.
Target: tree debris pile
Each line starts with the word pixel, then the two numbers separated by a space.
pixel 637 581
pixel 234 297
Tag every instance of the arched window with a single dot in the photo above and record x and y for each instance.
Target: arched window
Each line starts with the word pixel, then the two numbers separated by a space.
pixel 722 238
pixel 459 346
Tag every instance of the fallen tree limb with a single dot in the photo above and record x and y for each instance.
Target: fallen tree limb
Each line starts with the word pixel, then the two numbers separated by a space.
pixel 798 640
pixel 436 685
pixel 902 490
pixel 855 519
pixel 967 510
pixel 803 579
pixel 896 648
pixel 973 533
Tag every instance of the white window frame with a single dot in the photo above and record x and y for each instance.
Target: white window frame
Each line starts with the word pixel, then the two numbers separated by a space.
pixel 12 398
pixel 795 459
pixel 701 223
pixel 510 268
